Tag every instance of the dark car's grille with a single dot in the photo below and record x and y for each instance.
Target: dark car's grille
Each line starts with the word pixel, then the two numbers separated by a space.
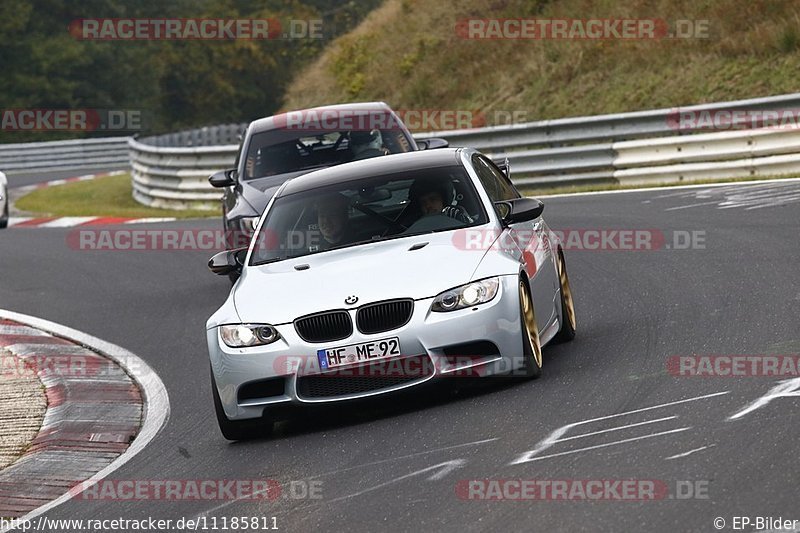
pixel 324 327
pixel 384 316
pixel 368 378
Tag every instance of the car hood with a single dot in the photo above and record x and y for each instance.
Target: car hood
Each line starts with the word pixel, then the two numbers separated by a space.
pixel 277 293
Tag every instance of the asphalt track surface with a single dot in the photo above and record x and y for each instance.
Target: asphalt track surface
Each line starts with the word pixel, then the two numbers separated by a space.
pixel 18 178
pixel 395 464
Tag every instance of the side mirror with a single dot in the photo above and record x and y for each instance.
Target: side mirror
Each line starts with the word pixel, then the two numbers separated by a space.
pixel 227 262
pixel 519 210
pixel 223 178
pixel 432 143
pixel 504 166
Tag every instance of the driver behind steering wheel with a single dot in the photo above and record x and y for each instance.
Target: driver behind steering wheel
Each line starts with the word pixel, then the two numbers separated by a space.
pixel 433 197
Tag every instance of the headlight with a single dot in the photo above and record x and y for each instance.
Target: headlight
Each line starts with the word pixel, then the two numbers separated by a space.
pixel 243 335
pixel 478 292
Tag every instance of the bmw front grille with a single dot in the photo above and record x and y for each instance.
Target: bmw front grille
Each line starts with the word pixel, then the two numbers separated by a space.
pixel 384 316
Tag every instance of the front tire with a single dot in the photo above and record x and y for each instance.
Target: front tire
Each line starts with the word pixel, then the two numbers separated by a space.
pixel 531 347
pixel 238 429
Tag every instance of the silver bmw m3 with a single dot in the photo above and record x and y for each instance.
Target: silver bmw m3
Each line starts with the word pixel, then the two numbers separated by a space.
pixel 379 275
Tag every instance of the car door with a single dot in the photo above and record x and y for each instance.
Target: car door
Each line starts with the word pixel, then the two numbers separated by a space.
pixel 534 248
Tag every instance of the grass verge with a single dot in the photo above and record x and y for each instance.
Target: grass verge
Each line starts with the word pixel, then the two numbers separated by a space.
pixel 109 197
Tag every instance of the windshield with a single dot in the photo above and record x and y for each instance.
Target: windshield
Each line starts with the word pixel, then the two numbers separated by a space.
pixel 281 151
pixel 368 210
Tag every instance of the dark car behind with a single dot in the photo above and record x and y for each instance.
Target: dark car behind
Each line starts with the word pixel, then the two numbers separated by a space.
pixel 277 148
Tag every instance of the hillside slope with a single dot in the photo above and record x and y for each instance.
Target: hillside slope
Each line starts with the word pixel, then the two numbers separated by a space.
pixel 408 53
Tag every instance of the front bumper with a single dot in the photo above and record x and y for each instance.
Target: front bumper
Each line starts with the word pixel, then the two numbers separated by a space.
pixel 429 340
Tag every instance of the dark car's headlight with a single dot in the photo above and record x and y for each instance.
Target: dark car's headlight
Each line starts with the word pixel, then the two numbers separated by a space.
pixel 244 335
pixel 475 293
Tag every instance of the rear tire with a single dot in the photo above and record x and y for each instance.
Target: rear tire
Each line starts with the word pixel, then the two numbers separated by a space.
pixel 531 347
pixel 238 429
pixel 568 323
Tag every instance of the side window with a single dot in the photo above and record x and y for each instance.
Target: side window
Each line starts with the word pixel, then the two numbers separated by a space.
pixel 497 185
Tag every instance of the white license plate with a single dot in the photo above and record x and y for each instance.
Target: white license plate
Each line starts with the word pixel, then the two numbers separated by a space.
pixel 358 353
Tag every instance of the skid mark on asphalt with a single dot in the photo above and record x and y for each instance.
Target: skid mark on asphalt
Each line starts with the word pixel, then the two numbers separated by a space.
pixel 654 428
pixel 618 428
pixel 440 472
pixel 748 197
pixel 557 436
pixel 785 389
pixel 399 458
pixel 598 446
pixel 443 469
pixel 690 452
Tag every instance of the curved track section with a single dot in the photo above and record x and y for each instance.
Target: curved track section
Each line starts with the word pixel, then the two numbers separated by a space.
pixel 155 412
pixel 720 278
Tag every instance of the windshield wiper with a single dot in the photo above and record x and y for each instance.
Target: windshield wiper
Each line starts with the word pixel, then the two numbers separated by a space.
pixel 270 260
pixel 363 241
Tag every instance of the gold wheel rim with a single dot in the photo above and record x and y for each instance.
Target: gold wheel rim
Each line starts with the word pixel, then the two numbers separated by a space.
pixel 530 324
pixel 566 291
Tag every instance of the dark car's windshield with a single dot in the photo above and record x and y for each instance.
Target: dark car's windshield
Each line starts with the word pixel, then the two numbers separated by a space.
pixel 368 210
pixel 280 151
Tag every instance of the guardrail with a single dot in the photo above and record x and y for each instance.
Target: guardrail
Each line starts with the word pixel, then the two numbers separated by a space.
pixel 574 151
pixel 176 177
pixel 109 152
pixel 760 152
pixel 632 148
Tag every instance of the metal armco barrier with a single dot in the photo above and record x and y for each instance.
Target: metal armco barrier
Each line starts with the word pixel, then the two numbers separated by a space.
pixel 632 148
pixel 574 151
pixel 110 153
pixel 171 171
pixel 761 152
